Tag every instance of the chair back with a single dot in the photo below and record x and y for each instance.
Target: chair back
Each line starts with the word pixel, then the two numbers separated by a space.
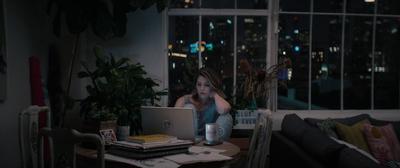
pixel 258 154
pixel 63 147
pixel 28 134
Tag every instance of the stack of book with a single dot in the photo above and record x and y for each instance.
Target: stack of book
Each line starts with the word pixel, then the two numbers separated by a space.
pixel 149 146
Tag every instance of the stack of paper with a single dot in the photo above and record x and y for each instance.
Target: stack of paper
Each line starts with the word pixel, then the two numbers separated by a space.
pixel 198 154
pixel 154 138
pixel 149 150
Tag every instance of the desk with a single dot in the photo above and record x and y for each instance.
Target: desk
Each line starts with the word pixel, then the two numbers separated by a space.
pixel 87 157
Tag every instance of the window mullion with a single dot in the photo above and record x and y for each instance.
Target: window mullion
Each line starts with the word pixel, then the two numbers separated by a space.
pixel 373 58
pixel 234 57
pixel 199 42
pixel 342 56
pixel 309 54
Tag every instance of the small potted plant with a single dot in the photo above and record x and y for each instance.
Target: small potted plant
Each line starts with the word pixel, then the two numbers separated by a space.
pixel 259 83
pixel 117 90
pixel 123 129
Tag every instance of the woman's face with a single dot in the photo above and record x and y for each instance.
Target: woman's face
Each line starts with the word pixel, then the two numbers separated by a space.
pixel 203 87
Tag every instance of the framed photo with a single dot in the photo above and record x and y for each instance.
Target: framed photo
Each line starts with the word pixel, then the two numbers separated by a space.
pixel 108 135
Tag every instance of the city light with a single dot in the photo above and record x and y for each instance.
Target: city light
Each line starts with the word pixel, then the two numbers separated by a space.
pixel 173 65
pixel 394 30
pixel 296 31
pixel 211 25
pixel 195 47
pixel 178 55
pixel 248 20
pixel 228 21
pixel 369 1
pixel 296 48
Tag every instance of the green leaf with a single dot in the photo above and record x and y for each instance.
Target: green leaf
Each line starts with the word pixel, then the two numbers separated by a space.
pixel 102 23
pixel 76 16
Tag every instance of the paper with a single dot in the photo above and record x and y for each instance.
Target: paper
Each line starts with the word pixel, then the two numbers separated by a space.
pixel 200 149
pixel 198 154
pixel 148 163
pixel 195 158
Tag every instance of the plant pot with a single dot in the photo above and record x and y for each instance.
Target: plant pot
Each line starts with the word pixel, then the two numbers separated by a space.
pixel 123 132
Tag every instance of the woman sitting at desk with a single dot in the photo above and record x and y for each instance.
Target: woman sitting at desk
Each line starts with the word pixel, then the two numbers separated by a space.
pixel 208 101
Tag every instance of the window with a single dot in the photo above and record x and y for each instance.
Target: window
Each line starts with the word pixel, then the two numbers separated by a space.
pixel 386 67
pixel 343 52
pixel 343 56
pixel 294 43
pixel 215 34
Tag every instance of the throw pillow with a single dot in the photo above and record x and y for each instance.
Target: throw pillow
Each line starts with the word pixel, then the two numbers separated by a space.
pixel 328 127
pixel 353 134
pixel 356 148
pixel 395 124
pixel 377 143
pixel 388 132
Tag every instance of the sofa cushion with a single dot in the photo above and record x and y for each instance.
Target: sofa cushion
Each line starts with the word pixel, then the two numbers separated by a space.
pixel 294 127
pixel 395 124
pixel 376 134
pixel 349 145
pixel 319 145
pixel 349 158
pixel 347 121
pixel 377 143
pixel 353 134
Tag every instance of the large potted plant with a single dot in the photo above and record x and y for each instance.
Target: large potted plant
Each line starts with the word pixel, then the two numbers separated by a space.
pixel 107 19
pixel 117 89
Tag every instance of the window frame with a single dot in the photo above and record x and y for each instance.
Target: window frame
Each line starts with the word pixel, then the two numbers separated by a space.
pixel 272 14
pixel 200 12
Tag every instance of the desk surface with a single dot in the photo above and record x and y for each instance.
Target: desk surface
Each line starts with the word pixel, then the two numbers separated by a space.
pixel 231 150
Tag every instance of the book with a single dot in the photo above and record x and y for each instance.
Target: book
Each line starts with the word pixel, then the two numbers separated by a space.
pixel 146 146
pixel 153 138
pixel 145 155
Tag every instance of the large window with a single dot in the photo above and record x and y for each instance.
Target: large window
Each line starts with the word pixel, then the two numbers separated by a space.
pixel 342 52
pixel 218 35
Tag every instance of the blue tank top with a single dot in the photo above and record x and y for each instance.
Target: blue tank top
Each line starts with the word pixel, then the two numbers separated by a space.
pixel 208 115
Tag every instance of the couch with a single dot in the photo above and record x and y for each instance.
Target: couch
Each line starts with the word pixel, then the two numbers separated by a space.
pixel 300 143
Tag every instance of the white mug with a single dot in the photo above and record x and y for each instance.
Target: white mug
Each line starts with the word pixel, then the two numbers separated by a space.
pixel 212 135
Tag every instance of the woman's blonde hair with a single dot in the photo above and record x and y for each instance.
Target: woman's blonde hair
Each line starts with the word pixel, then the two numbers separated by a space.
pixel 214 80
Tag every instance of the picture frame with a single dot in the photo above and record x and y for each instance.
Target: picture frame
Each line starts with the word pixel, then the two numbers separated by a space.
pixel 108 135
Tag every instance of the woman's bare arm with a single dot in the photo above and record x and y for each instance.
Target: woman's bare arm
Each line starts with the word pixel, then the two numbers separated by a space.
pixel 222 105
pixel 182 100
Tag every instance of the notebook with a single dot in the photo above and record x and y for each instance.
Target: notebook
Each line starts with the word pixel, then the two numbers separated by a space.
pixel 175 121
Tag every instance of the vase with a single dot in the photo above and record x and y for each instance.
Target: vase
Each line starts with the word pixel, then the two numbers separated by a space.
pixel 122 132
pixel 253 105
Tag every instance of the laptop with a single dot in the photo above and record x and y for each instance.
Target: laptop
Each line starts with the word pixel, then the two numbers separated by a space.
pixel 175 121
